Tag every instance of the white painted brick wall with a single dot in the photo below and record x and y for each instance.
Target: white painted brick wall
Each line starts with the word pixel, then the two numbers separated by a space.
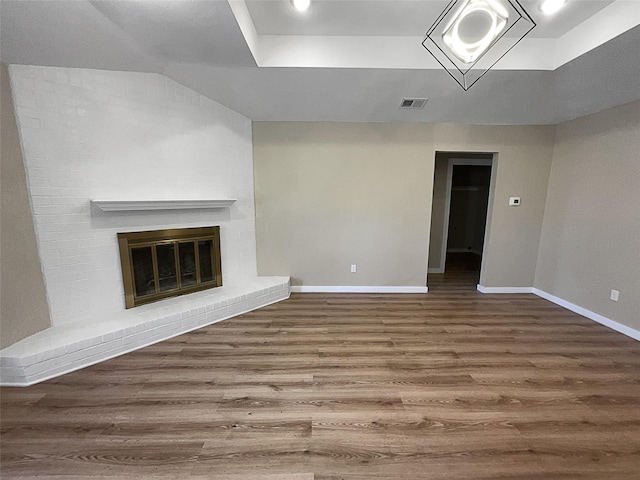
pixel 66 348
pixel 90 134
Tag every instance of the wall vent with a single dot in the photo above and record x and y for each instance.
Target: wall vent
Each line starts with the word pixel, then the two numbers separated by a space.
pixel 414 103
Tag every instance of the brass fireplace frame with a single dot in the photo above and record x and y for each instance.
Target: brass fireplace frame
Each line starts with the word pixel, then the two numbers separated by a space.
pixel 129 240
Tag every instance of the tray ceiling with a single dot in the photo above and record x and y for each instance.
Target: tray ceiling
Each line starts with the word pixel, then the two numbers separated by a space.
pixel 342 61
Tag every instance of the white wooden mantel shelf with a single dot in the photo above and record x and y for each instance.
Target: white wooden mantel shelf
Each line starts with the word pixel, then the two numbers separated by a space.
pixel 142 205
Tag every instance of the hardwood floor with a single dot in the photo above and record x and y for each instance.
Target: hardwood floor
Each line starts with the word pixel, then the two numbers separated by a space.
pixel 449 385
pixel 463 261
pixel 462 273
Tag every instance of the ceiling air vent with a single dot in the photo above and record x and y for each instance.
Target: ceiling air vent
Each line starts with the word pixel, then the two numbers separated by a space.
pixel 413 102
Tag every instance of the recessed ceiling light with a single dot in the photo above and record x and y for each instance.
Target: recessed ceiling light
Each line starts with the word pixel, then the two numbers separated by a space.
pixel 549 7
pixel 301 5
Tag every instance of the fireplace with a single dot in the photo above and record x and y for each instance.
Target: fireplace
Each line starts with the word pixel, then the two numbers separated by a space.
pixel 166 263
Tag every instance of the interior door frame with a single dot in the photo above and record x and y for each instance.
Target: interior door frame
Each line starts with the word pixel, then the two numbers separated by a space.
pixel 447 205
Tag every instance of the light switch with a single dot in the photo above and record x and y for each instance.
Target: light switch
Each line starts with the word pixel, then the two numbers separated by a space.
pixel 514 201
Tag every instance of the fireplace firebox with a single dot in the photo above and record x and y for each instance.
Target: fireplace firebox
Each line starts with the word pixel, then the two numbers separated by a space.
pixel 165 263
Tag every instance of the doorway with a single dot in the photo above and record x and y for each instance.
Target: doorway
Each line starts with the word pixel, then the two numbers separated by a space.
pixel 462 193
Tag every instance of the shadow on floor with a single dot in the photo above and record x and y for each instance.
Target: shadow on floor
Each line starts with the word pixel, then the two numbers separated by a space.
pixel 462 272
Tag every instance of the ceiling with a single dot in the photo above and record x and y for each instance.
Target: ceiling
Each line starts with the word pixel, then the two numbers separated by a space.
pixel 342 60
pixel 394 18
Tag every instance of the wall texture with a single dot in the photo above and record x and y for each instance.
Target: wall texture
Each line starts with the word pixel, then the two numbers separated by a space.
pixel 522 169
pixel 329 195
pixel 23 305
pixel 332 195
pixel 591 233
pixel 438 208
pixel 91 134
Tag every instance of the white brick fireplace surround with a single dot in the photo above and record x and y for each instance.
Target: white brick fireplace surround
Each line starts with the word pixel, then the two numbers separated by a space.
pixel 90 134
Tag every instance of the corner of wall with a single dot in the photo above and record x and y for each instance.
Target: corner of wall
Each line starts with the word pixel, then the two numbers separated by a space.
pixel 588 246
pixel 544 214
pixel 21 275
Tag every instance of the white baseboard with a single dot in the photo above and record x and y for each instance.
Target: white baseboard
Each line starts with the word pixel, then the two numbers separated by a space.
pixel 596 317
pixel 435 270
pixel 355 289
pixel 483 289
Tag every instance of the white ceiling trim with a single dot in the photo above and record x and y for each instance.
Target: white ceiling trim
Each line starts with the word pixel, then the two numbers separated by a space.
pixel 248 29
pixel 608 23
pixel 383 52
pixel 386 52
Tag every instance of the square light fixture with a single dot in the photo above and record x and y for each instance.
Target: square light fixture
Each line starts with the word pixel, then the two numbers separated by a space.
pixel 470 36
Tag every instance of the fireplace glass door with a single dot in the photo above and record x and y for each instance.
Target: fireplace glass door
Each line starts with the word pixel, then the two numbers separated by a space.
pixel 164 263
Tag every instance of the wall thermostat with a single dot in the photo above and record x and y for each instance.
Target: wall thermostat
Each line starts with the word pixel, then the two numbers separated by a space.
pixel 514 201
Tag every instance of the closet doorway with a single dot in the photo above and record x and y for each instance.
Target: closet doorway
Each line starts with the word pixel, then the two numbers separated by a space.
pixel 462 195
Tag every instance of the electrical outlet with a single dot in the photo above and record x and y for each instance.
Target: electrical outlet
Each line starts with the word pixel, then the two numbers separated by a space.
pixel 514 201
pixel 354 269
pixel 614 295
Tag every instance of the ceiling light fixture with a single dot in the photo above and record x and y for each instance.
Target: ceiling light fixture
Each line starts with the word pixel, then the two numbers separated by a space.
pixel 549 7
pixel 301 5
pixel 470 36
pixel 475 27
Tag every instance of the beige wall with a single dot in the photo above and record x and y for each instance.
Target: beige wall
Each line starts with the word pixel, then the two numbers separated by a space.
pixel 438 208
pixel 591 232
pixel 23 303
pixel 329 195
pixel 332 195
pixel 522 169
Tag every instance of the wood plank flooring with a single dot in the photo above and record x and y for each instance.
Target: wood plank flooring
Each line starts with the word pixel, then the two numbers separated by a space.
pixel 449 385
